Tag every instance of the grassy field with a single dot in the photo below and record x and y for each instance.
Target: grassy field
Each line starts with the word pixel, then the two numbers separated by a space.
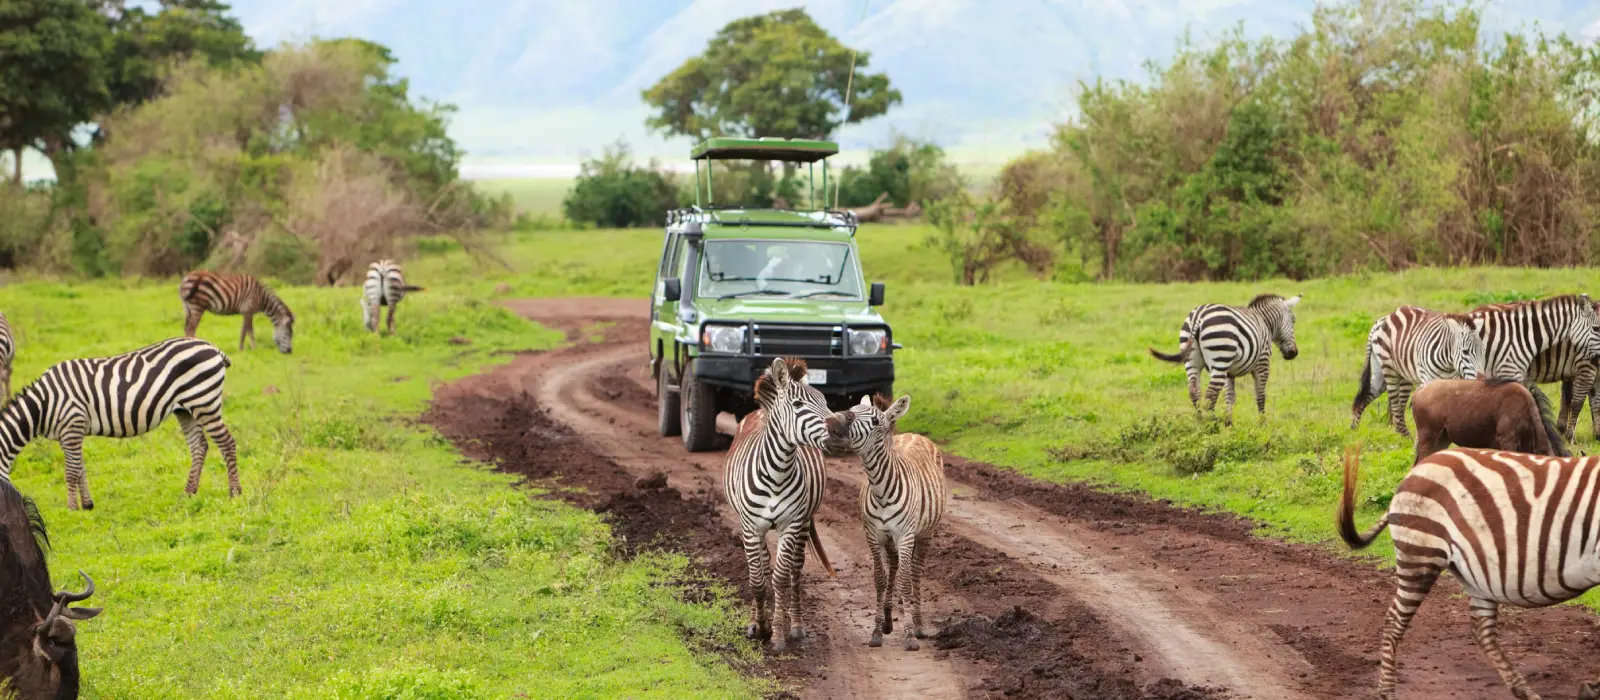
pixel 1054 379
pixel 365 559
pixel 534 195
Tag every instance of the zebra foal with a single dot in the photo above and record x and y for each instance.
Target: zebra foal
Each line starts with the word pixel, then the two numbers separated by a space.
pixel 901 506
pixel 773 480
pixel 1409 348
pixel 385 286
pixel 1515 529
pixel 123 396
pixel 1232 341
pixel 227 295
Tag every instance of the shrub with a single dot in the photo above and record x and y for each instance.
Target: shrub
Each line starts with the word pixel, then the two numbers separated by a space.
pixel 613 192
pixel 909 171
pixel 978 236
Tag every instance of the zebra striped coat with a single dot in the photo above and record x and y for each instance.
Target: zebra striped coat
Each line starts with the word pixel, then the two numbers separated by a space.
pixel 8 352
pixel 1409 348
pixel 385 286
pixel 1514 334
pixel 1516 529
pixel 1232 341
pixel 774 480
pixel 227 295
pixel 901 506
pixel 1565 363
pixel 123 396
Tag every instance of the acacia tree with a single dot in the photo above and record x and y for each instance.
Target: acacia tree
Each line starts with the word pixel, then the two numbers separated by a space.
pixel 776 74
pixel 52 72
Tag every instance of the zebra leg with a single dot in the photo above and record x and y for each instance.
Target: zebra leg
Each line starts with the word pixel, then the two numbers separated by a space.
pixel 219 434
pixel 758 565
pixel 77 484
pixel 196 437
pixel 907 552
pixel 796 600
pixel 191 319
pixel 1233 397
pixel 918 556
pixel 1192 370
pixel 1261 375
pixel 892 564
pixel 1567 421
pixel 1485 623
pixel 247 330
pixel 1399 394
pixel 1214 388
pixel 1412 583
pixel 784 570
pixel 880 582
pixel 391 318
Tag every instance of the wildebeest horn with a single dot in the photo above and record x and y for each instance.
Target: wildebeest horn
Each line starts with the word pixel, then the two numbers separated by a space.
pixel 75 597
pixel 64 597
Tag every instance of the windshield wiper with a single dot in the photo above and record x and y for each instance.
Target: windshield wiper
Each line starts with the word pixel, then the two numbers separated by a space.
pixel 821 292
pixel 736 295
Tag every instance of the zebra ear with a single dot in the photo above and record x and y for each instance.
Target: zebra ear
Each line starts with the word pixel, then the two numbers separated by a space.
pixel 898 408
pixel 1292 301
pixel 866 400
pixel 779 373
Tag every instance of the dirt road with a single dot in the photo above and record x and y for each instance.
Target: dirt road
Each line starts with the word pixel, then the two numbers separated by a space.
pixel 1036 590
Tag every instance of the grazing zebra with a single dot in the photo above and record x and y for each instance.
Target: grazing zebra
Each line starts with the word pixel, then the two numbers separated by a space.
pixel 901 506
pixel 226 295
pixel 774 481
pixel 1514 334
pixel 1409 348
pixel 8 352
pixel 1566 363
pixel 123 396
pixel 385 286
pixel 1516 529
pixel 1229 342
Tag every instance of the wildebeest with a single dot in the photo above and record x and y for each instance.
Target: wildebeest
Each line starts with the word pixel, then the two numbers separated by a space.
pixel 38 641
pixel 1499 414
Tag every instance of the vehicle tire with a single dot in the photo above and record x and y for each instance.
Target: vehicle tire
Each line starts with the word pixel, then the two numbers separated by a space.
pixel 666 404
pixel 699 414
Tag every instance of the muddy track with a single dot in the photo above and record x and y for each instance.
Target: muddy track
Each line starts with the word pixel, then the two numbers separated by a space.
pixel 1035 590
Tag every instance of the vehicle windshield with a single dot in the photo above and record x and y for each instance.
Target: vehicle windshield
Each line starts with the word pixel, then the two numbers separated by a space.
pixel 778 269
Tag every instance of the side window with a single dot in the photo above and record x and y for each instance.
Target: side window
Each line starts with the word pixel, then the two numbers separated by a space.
pixel 668 253
pixel 675 268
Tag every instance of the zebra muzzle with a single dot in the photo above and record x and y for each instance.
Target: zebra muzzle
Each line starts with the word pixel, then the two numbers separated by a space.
pixel 839 423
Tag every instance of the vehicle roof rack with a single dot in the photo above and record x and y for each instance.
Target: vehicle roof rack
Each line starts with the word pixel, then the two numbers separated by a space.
pixel 766 148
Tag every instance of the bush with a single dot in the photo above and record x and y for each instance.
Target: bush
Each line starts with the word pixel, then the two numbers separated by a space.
pixel 908 171
pixel 613 192
pixel 978 236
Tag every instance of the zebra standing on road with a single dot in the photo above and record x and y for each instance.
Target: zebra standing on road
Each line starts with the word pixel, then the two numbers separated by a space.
pixel 1229 342
pixel 1409 348
pixel 774 481
pixel 8 352
pixel 227 295
pixel 123 396
pixel 1516 529
pixel 385 286
pixel 901 506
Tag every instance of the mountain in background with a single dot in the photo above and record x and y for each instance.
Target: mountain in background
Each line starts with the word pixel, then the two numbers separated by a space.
pixel 552 81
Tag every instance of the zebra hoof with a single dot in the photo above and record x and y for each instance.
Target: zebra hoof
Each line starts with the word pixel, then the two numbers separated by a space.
pixel 911 644
pixel 88 505
pixel 754 631
pixel 796 634
pixel 779 646
pixel 877 639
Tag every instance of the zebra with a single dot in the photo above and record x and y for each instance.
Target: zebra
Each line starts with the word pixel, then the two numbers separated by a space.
pixel 1516 529
pixel 385 286
pixel 1229 342
pixel 1514 334
pixel 1409 348
pixel 123 395
pixel 901 506
pixel 1567 364
pixel 226 295
pixel 8 352
pixel 773 480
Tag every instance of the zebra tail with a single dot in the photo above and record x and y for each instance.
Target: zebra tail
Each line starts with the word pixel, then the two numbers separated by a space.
pixel 1558 446
pixel 1347 506
pixel 412 288
pixel 1364 393
pixel 822 556
pixel 1180 356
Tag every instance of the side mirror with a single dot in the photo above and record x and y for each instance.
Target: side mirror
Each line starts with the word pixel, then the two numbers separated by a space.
pixel 875 297
pixel 673 288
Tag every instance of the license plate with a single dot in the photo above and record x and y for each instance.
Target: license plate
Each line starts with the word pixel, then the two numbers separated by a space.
pixel 817 376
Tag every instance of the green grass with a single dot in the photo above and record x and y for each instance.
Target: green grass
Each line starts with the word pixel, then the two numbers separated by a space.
pixel 365 559
pixel 1053 379
pixel 534 195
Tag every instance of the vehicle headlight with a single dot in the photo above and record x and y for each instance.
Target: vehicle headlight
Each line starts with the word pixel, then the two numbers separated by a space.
pixel 728 339
pixel 868 342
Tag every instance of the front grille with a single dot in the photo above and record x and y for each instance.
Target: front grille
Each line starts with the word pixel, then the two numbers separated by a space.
pixel 813 341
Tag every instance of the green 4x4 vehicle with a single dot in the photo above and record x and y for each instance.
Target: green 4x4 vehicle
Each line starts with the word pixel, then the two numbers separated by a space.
pixel 737 287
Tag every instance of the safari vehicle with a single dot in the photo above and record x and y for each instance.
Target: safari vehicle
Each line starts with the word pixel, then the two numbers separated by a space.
pixel 738 286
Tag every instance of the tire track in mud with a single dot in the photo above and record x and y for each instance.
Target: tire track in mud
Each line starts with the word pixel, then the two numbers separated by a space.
pixel 1037 590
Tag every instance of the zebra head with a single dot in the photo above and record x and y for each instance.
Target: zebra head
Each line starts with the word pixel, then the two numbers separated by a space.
pixel 873 426
pixel 1471 354
pixel 1279 315
pixel 795 410
pixel 283 335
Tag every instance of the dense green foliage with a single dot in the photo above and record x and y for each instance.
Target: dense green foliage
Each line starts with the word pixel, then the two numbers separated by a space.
pixel 777 74
pixel 365 559
pixel 908 171
pixel 1389 133
pixel 53 73
pixel 614 192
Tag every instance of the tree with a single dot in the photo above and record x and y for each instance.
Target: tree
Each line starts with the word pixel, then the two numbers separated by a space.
pixel 52 72
pixel 777 74
pixel 143 44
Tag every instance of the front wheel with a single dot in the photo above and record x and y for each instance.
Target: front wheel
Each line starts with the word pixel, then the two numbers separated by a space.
pixel 699 414
pixel 666 404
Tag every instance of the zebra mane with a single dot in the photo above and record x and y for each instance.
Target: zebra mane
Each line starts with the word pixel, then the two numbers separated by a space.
pixel 763 388
pixel 1509 305
pixel 1262 299
pixel 881 402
